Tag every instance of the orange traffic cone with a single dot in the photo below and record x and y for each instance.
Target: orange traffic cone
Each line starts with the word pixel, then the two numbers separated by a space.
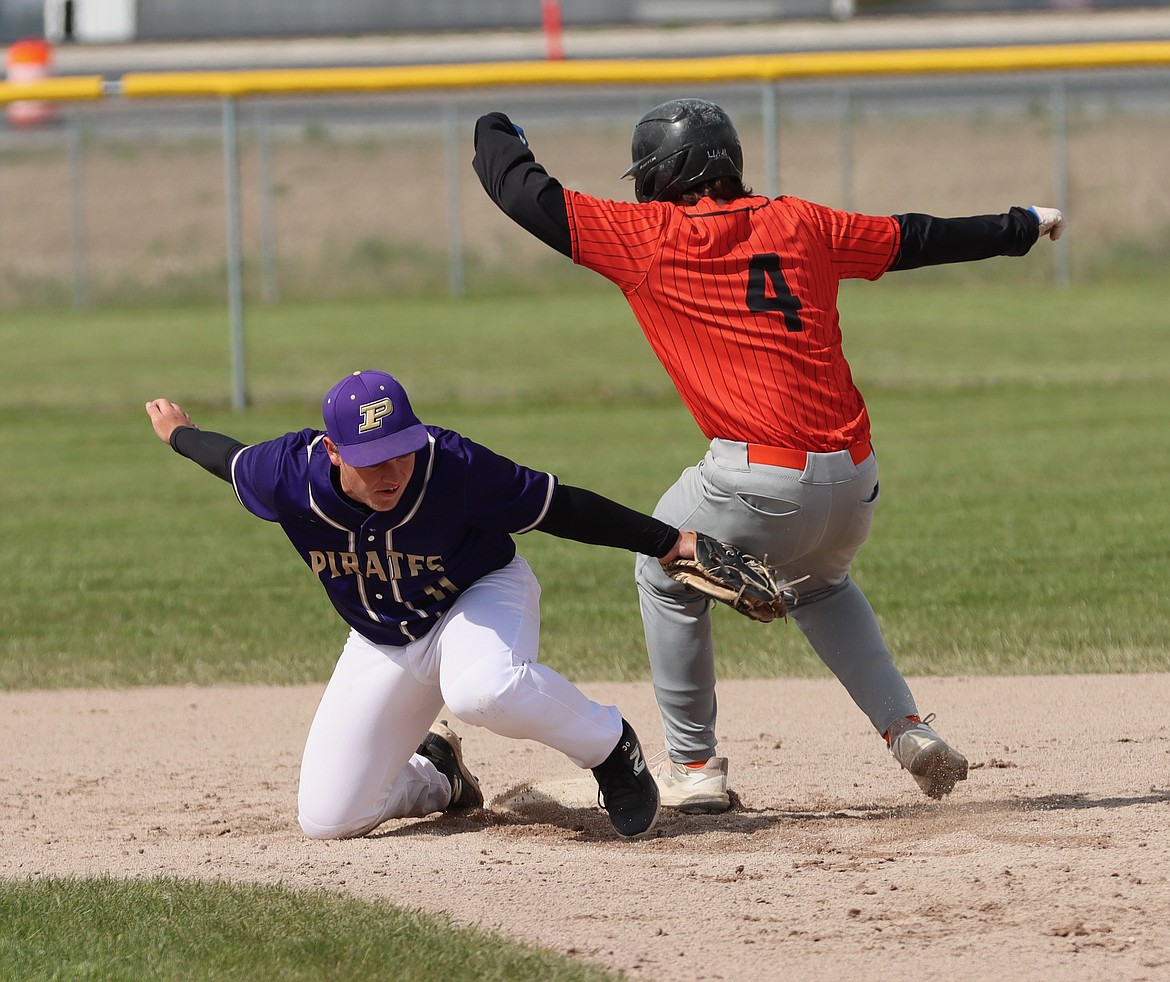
pixel 29 60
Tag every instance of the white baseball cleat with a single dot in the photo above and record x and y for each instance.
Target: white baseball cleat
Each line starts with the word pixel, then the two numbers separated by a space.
pixel 694 790
pixel 936 766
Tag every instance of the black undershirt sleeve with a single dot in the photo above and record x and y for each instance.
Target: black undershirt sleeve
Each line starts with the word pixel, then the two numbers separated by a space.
pixel 211 451
pixel 521 188
pixel 585 516
pixel 930 241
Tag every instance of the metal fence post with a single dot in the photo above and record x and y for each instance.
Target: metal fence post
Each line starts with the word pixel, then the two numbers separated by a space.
pixel 845 144
pixel 269 290
pixel 1060 171
pixel 451 138
pixel 771 140
pixel 231 166
pixel 76 133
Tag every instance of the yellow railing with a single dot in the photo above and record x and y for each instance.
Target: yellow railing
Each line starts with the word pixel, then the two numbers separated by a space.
pixel 74 89
pixel 765 68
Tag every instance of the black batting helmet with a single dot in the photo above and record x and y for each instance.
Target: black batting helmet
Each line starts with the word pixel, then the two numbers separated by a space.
pixel 679 144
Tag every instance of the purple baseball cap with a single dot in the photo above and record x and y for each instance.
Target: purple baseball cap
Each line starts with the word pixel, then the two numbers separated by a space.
pixel 368 416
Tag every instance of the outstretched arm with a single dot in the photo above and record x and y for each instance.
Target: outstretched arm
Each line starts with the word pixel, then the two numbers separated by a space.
pixel 930 241
pixel 514 180
pixel 713 568
pixel 211 451
pixel 586 516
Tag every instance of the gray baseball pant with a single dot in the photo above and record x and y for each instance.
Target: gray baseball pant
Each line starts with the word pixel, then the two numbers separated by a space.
pixel 806 522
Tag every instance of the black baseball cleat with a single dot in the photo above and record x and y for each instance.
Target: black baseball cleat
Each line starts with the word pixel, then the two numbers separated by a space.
pixel 626 788
pixel 443 748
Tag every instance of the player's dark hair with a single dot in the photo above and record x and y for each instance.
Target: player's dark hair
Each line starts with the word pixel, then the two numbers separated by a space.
pixel 679 145
pixel 724 188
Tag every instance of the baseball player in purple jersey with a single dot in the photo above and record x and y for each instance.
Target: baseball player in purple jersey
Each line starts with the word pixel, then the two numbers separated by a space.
pixel 409 529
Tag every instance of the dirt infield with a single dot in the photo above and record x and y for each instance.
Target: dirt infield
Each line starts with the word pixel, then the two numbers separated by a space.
pixel 1050 862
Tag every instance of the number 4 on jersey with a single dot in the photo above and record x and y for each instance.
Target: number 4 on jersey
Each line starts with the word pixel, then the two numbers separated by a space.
pixel 767 291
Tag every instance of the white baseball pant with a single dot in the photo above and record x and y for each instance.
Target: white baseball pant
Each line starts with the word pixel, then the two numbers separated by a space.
pixel 360 767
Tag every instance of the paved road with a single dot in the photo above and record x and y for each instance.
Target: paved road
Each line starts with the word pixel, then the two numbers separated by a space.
pixel 627 42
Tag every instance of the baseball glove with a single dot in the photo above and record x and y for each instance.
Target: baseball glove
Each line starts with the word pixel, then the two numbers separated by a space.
pixel 736 578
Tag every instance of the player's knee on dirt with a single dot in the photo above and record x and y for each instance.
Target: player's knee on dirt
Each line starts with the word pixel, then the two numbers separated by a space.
pixel 324 826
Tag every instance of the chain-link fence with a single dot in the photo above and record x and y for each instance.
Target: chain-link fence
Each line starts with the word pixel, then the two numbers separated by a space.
pixel 116 202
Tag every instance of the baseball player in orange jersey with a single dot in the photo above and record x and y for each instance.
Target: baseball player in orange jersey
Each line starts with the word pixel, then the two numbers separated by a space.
pixel 737 295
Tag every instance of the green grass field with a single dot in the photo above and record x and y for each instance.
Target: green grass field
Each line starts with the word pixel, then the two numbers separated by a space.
pixel 179 931
pixel 1024 524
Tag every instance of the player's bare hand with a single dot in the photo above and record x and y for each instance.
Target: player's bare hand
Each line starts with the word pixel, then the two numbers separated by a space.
pixel 1052 222
pixel 684 548
pixel 166 417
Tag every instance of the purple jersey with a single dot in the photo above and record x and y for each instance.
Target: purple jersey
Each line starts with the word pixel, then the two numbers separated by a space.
pixel 392 574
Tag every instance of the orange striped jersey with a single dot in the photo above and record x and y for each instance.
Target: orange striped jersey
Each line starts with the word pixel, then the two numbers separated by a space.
pixel 739 302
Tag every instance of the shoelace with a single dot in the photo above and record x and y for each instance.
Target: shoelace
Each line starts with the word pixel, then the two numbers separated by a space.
pixel 625 780
pixel 657 759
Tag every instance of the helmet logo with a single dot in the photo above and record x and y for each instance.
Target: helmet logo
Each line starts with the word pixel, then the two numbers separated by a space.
pixel 682 144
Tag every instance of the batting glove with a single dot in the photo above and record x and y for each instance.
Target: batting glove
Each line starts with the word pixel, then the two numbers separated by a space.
pixel 520 133
pixel 1051 221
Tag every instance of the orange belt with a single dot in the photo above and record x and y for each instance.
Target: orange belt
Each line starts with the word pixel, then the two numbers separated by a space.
pixel 758 453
